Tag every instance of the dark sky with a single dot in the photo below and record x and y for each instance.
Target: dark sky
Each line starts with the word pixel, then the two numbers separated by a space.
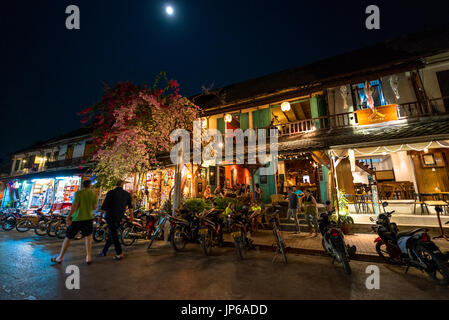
pixel 49 73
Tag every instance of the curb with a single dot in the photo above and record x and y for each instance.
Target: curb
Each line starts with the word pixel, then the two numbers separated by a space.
pixel 313 252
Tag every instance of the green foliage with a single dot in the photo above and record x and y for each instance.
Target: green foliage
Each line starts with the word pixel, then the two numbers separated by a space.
pixel 196 205
pixel 343 206
pixel 343 202
pixel 167 206
pixel 222 203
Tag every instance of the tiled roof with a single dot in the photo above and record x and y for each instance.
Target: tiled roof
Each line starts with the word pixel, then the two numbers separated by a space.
pixel 404 52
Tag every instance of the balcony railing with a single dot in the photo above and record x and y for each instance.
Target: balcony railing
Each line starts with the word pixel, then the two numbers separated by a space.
pixel 349 119
pixel 68 162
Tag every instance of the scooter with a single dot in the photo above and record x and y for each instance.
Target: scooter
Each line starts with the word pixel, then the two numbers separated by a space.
pixel 409 248
pixel 333 241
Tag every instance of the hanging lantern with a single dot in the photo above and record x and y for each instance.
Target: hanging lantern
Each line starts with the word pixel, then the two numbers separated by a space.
pixel 228 117
pixel 285 106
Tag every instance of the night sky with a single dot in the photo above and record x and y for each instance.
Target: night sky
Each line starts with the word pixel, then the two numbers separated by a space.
pixel 49 73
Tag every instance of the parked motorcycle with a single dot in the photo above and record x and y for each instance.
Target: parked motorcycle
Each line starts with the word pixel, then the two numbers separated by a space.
pixel 211 230
pixel 141 227
pixel 410 248
pixel 333 241
pixel 239 227
pixel 185 227
pixel 10 219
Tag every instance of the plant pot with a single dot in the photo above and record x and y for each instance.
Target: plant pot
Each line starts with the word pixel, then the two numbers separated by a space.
pixel 346 228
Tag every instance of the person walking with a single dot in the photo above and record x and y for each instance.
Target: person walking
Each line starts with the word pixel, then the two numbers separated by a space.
pixel 258 193
pixel 293 207
pixel 80 219
pixel 310 210
pixel 115 205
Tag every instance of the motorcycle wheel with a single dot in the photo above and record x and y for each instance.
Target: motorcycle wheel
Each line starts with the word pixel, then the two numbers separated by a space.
pixel 23 226
pixel 382 251
pixel 343 258
pixel 41 228
pixel 61 230
pixel 99 235
pixel 437 270
pixel 178 240
pixel 52 227
pixel 206 242
pixel 9 223
pixel 125 238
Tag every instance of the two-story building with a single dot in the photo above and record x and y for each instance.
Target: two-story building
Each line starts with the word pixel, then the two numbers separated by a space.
pixel 47 174
pixel 378 114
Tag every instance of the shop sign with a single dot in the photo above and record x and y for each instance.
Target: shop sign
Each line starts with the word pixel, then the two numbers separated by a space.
pixel 381 114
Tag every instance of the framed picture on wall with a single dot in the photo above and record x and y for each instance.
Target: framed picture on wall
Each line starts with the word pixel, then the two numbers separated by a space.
pixel 428 160
pixel 263 180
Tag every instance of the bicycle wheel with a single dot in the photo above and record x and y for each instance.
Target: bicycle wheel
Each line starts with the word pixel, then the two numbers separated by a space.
pixel 281 246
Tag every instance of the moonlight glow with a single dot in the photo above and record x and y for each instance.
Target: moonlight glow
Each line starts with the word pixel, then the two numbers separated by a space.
pixel 169 10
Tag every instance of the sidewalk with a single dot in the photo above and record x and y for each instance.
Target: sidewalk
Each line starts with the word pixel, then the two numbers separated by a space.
pixel 307 243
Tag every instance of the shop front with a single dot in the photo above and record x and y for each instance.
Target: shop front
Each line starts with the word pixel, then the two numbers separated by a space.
pixel 412 177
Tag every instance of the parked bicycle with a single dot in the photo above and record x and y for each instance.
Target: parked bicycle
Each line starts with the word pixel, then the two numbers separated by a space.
pixel 159 231
pixel 37 221
pixel 280 246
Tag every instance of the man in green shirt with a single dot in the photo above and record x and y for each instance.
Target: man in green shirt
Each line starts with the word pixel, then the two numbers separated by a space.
pixel 80 219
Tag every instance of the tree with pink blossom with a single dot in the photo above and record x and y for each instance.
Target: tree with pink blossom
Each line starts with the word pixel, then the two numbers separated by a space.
pixel 132 125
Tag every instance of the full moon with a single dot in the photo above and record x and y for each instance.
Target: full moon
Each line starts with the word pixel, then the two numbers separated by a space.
pixel 169 10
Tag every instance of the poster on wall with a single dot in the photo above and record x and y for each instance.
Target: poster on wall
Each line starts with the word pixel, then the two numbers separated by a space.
pixel 382 114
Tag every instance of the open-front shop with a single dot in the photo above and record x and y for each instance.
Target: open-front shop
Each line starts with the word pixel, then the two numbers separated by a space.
pixel 413 177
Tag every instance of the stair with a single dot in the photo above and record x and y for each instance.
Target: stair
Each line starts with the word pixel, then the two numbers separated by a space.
pixel 365 167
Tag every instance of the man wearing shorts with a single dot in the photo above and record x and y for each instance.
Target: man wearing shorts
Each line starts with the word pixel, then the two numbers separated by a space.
pixel 80 219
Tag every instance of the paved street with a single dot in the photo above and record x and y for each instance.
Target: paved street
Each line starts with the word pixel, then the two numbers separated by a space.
pixel 26 273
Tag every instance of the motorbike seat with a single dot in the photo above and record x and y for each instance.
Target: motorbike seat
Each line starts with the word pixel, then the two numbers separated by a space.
pixel 409 233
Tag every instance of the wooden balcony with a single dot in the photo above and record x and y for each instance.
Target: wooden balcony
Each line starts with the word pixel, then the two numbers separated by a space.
pixel 412 110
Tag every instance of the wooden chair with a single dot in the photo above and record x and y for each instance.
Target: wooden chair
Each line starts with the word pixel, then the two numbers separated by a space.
pixel 419 199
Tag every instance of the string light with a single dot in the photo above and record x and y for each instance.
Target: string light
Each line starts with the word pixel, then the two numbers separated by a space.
pixel 400 148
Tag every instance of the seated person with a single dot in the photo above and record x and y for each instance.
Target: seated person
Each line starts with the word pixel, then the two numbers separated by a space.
pixel 256 216
pixel 207 193
pixel 218 192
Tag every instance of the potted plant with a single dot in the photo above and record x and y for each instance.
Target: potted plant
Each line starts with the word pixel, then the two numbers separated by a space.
pixel 345 221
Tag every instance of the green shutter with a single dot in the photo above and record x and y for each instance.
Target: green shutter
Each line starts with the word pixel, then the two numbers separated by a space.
pixel 261 118
pixel 244 121
pixel 221 125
